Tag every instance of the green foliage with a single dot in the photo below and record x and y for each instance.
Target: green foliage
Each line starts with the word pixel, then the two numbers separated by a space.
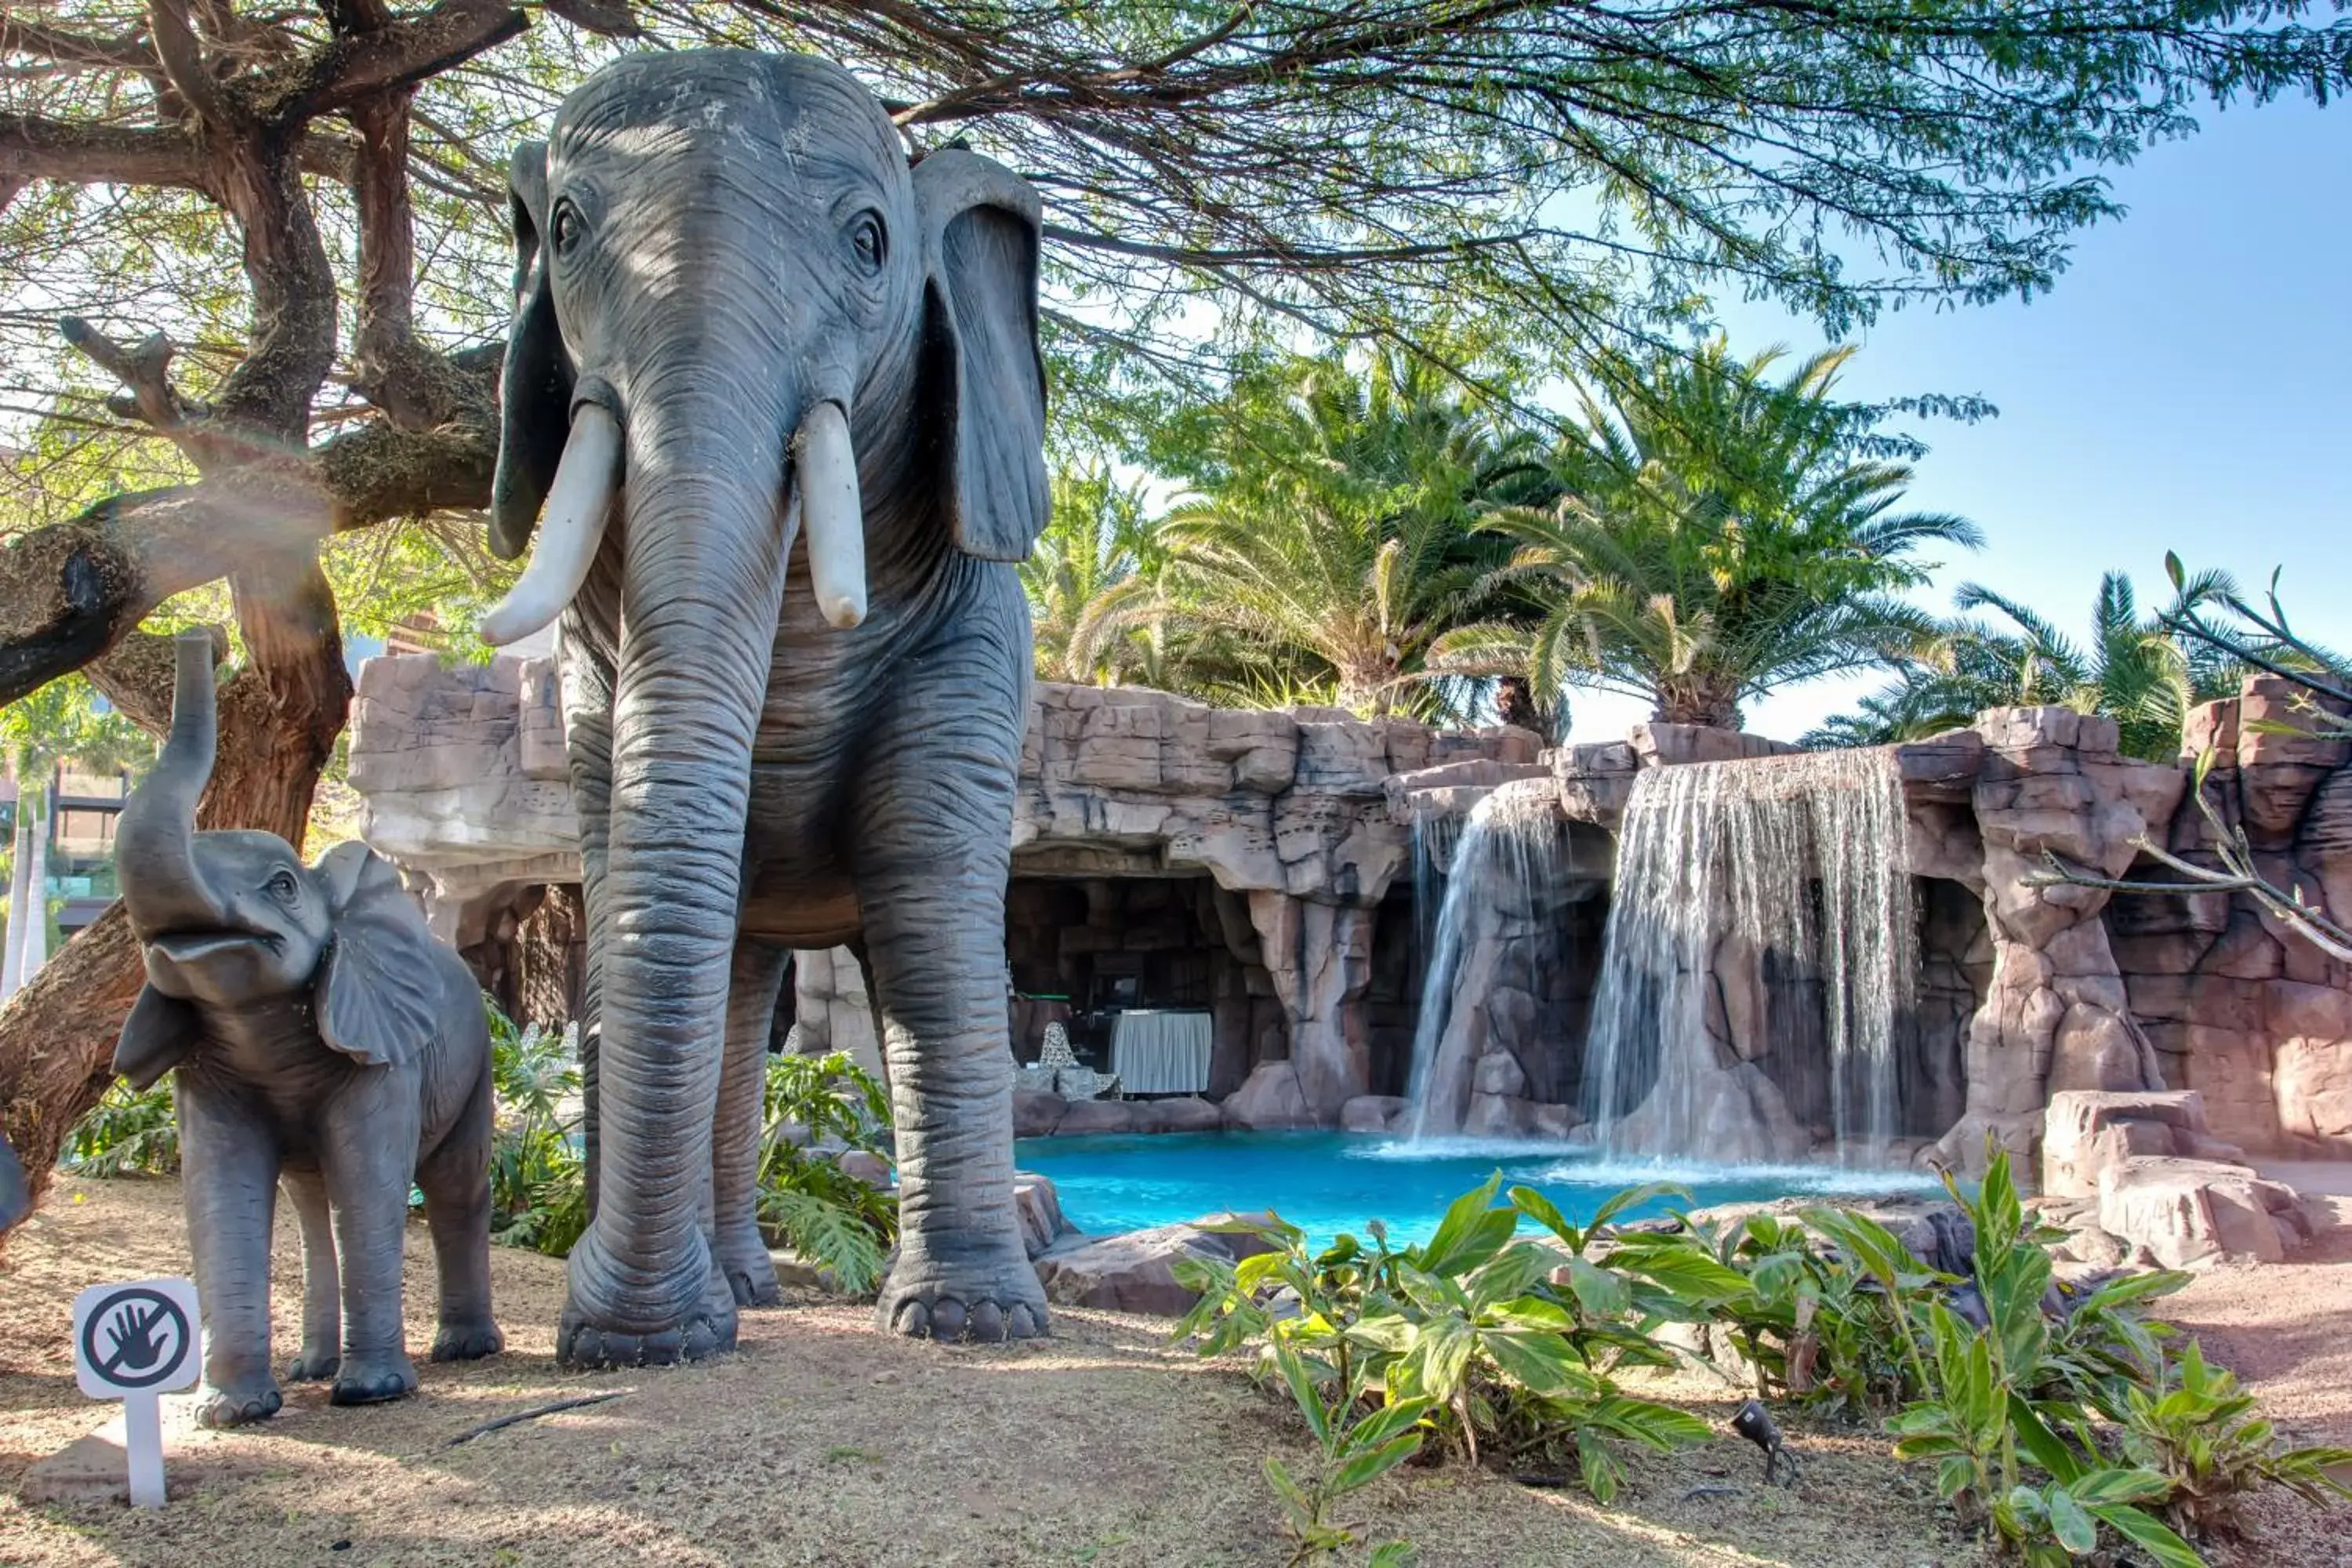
pixel 129 1132
pixel 1716 535
pixel 2135 668
pixel 539 1178
pixel 806 1200
pixel 1362 1440
pixel 1328 537
pixel 1500 1359
pixel 2202 1436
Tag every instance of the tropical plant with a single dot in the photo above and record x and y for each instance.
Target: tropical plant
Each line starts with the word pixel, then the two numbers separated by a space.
pixel 2198 1429
pixel 2134 669
pixel 1718 534
pixel 539 1178
pixel 1329 536
pixel 1505 1363
pixel 129 1132
pixel 817 1108
pixel 1362 1440
pixel 1095 553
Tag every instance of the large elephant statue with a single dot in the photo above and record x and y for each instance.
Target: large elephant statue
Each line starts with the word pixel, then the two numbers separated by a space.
pixel 744 319
pixel 322 1039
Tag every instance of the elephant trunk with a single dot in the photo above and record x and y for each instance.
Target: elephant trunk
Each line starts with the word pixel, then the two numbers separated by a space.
pixel 154 845
pixel 702 585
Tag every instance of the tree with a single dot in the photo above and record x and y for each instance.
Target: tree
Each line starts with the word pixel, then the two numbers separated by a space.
pixel 1716 535
pixel 1331 537
pixel 1097 542
pixel 2135 669
pixel 278 232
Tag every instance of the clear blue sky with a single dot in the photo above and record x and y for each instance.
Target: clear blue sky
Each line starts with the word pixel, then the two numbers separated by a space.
pixel 2187 386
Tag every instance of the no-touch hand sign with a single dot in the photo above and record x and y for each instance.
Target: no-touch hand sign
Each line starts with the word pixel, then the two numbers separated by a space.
pixel 134 1342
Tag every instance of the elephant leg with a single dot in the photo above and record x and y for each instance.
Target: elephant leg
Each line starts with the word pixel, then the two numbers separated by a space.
pixel 322 1301
pixel 229 1183
pixel 455 1179
pixel 933 846
pixel 736 1241
pixel 368 1155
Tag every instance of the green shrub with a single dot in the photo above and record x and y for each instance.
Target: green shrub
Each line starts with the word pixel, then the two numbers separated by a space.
pixel 129 1132
pixel 539 1177
pixel 1362 1440
pixel 807 1201
pixel 2203 1437
pixel 1510 1365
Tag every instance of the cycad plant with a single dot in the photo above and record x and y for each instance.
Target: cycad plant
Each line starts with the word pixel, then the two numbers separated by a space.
pixel 1717 535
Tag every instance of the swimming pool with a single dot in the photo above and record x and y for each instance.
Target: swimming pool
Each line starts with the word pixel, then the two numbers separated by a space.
pixel 1325 1182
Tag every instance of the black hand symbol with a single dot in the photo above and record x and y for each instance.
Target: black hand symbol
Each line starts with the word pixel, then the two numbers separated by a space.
pixel 133 1332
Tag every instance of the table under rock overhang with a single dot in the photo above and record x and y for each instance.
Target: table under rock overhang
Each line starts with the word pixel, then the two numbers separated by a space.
pixel 1272 855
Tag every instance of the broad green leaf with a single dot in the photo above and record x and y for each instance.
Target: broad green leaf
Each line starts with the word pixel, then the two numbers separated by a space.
pixel 1662 1426
pixel 1511 1272
pixel 1600 1291
pixel 1684 1272
pixel 2042 1445
pixel 1278 1478
pixel 1471 1232
pixel 1546 1213
pixel 2119 1485
pixel 1597 1465
pixel 1635 1197
pixel 1397 1416
pixel 1303 1391
pixel 1363 1468
pixel 1954 1476
pixel 2069 1523
pixel 1541 1361
pixel 2149 1533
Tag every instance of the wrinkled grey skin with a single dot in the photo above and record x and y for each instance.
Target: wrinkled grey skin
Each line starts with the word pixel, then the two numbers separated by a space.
pixel 323 1039
pixel 708 245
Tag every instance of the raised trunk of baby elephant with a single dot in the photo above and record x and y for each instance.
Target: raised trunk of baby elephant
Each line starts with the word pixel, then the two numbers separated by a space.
pixel 155 836
pixel 701 585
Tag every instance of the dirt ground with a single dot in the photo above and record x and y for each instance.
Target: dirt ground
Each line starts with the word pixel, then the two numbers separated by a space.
pixel 819 1442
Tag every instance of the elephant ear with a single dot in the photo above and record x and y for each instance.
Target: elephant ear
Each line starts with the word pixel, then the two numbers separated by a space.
pixel 983 382
pixel 160 1031
pixel 535 385
pixel 378 988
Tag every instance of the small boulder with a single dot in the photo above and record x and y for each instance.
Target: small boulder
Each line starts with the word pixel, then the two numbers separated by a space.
pixel 1497 1115
pixel 1269 1098
pixel 871 1169
pixel 1136 1272
pixel 1039 1209
pixel 1555 1122
pixel 1373 1112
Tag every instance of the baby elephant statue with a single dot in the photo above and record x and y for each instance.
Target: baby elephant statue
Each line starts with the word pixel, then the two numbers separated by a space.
pixel 323 1039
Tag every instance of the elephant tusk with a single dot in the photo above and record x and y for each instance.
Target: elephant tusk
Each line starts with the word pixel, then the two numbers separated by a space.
pixel 833 519
pixel 571 531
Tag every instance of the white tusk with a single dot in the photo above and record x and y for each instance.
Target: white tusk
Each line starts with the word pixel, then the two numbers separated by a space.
pixel 833 519
pixel 570 530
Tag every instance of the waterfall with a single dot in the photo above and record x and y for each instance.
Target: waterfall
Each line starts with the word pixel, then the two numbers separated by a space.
pixel 1738 885
pixel 1512 873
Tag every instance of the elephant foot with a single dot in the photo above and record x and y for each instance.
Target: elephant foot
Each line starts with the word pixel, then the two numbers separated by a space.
pixel 371 1379
pixel 240 1401
pixel 750 1272
pixel 587 1336
pixel 980 1302
pixel 315 1364
pixel 469 1340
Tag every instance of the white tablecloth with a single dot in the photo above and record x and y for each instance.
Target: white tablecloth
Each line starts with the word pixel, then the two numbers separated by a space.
pixel 1156 1052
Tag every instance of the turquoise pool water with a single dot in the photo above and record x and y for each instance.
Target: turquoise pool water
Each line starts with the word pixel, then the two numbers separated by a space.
pixel 1325 1182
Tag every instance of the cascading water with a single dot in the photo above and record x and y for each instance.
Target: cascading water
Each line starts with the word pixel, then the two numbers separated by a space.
pixel 1513 870
pixel 1734 878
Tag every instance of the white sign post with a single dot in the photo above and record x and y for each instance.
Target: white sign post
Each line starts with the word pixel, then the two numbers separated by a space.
pixel 136 1342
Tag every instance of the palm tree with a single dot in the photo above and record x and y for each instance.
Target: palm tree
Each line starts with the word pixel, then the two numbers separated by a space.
pixel 1716 535
pixel 1331 537
pixel 1092 554
pixel 2134 669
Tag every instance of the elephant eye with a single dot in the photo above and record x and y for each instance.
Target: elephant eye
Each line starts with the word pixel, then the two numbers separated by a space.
pixel 283 886
pixel 866 239
pixel 568 227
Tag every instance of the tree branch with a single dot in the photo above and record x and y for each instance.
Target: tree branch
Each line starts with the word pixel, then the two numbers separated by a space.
pixel 144 369
pixel 403 52
pixel 183 62
pixel 34 148
pixel 18 37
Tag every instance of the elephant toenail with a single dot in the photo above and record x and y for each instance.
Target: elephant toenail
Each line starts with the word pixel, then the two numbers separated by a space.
pixel 987 1322
pixel 947 1318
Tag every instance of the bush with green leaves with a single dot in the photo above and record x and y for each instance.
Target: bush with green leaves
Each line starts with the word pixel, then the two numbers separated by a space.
pixel 539 1178
pixel 2200 1433
pixel 1509 1344
pixel 817 1108
pixel 1362 1439
pixel 129 1132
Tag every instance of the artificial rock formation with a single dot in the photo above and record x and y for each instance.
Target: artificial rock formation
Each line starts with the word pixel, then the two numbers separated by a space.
pixel 1285 865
